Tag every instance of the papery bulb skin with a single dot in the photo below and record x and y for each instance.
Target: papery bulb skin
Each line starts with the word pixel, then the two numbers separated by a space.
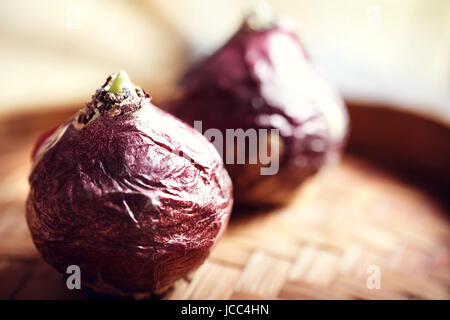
pixel 130 194
pixel 262 79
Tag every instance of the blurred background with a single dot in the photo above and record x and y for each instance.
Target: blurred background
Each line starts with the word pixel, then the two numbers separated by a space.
pixel 55 52
pixel 389 59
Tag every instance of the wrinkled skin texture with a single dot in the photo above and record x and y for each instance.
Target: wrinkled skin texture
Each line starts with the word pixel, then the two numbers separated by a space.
pixel 118 199
pixel 263 79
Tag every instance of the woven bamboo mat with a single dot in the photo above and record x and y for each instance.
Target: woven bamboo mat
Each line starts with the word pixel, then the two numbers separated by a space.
pixel 350 218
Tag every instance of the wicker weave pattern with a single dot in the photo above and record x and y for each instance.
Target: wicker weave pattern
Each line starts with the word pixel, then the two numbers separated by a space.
pixel 319 247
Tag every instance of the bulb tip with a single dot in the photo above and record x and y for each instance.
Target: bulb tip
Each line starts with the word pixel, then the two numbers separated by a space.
pixel 121 81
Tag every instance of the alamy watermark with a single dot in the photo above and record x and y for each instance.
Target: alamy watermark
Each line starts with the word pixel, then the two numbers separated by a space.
pixel 373 13
pixel 261 147
pixel 74 280
pixel 374 280
pixel 249 146
pixel 73 19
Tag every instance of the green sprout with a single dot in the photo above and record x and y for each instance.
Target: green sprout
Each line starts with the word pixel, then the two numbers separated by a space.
pixel 121 81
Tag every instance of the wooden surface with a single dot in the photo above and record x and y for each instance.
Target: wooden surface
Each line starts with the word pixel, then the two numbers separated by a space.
pixel 411 143
pixel 351 216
